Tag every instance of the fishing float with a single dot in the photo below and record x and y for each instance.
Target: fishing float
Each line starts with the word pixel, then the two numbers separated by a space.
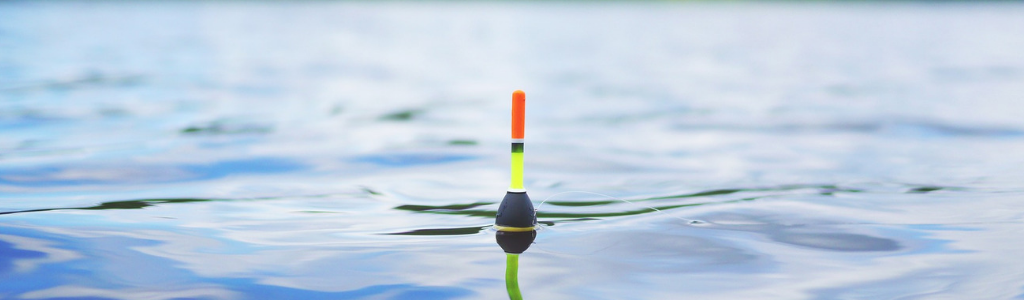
pixel 516 213
pixel 516 220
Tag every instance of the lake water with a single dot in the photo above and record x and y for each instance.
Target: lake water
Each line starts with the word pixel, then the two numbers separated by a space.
pixel 352 150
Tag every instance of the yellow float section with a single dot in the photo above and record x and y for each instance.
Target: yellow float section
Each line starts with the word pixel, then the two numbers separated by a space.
pixel 517 171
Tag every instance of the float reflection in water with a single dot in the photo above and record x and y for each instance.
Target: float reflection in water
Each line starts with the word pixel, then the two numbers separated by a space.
pixel 514 243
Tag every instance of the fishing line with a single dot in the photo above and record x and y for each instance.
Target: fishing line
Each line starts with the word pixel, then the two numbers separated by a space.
pixel 688 221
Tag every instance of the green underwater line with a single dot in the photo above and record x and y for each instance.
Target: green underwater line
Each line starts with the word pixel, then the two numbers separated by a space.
pixel 442 207
pixel 824 190
pixel 126 204
pixel 829 189
pixel 540 214
pixel 444 231
pixel 463 209
pixel 143 203
pixel 512 276
pixel 821 189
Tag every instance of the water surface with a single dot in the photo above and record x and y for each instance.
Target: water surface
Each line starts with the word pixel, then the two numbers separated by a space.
pixel 322 150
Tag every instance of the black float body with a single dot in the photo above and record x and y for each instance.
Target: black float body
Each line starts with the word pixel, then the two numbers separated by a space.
pixel 516 210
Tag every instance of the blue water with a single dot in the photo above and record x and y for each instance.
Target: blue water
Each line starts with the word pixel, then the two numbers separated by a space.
pixel 353 150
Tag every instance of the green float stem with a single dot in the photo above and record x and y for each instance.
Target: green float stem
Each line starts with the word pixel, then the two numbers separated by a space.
pixel 517 171
pixel 512 276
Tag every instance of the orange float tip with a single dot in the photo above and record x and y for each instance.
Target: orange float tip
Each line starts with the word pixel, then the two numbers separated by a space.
pixel 518 114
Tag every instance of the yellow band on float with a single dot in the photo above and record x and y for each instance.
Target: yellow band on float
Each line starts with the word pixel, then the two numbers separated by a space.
pixel 514 229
